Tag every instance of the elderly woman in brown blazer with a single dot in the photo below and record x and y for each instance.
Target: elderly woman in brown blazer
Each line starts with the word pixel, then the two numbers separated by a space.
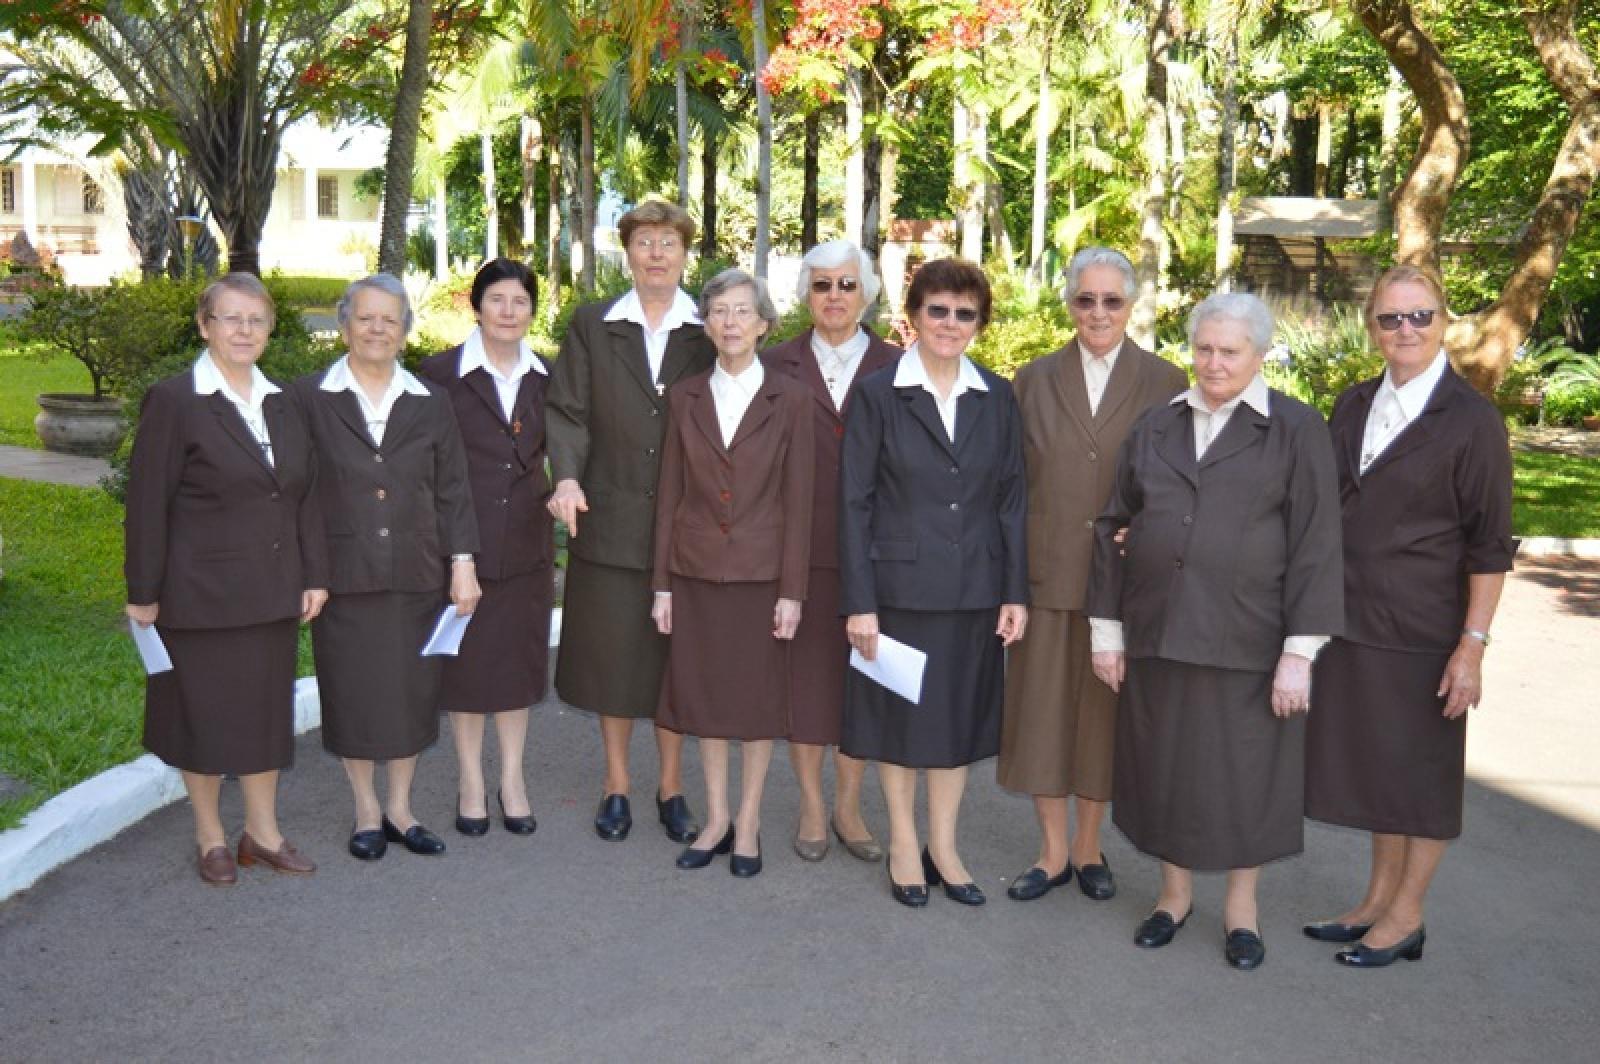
pixel 1207 617
pixel 1077 405
pixel 733 535
pixel 838 284
pixel 496 386
pixel 607 412
pixel 1425 476
pixel 393 486
pixel 225 557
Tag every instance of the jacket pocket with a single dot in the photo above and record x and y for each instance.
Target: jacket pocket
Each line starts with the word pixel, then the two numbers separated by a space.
pixel 893 550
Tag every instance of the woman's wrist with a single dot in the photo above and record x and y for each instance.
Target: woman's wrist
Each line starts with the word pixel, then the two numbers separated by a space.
pixel 462 559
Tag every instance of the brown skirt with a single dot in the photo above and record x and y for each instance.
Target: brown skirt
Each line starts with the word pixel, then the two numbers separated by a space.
pixel 227 704
pixel 818 659
pixel 505 655
pixel 611 656
pixel 1060 722
pixel 727 677
pixel 1206 776
pixel 380 696
pixel 1380 755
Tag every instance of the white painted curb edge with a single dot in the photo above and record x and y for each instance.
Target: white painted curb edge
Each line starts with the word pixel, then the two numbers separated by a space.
pixel 1576 548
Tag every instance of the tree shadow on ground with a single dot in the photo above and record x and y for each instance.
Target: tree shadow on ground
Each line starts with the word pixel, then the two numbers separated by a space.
pixel 1577 580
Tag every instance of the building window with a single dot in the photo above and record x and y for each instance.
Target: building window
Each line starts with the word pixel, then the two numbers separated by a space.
pixel 8 191
pixel 94 198
pixel 327 197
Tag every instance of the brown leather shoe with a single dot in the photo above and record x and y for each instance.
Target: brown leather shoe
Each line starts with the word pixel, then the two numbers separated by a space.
pixel 287 859
pixel 217 867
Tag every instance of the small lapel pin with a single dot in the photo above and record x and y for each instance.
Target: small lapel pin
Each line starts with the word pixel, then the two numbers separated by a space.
pixel 516 428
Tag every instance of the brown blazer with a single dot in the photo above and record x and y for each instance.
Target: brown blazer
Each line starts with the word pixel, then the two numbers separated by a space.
pixel 605 426
pixel 1071 457
pixel 742 513
pixel 213 533
pixel 505 463
pixel 793 358
pixel 1227 556
pixel 1432 509
pixel 396 513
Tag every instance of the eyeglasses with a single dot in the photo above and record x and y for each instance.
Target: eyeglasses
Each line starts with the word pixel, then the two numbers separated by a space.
pixel 736 311
pixel 1417 319
pixel 648 244
pixel 939 312
pixel 1086 302
pixel 377 321
pixel 823 285
pixel 238 322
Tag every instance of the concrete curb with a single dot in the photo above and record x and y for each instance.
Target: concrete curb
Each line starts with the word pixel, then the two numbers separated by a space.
pixel 1546 545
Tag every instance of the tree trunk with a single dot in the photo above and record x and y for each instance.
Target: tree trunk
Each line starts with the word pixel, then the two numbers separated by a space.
pixel 687 33
pixel 441 229
pixel 584 239
pixel 402 154
pixel 1339 174
pixel 1389 150
pixel 808 194
pixel 967 181
pixel 764 143
pixel 1227 158
pixel 1152 233
pixel 532 149
pixel 552 247
pixel 855 167
pixel 708 195
pixel 1040 214
pixel 491 197
pixel 1319 182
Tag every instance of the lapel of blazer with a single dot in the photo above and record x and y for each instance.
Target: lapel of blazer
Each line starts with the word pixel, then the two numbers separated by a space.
pixel 799 363
pixel 348 408
pixel 1353 426
pixel 407 409
pixel 761 408
pixel 233 425
pixel 680 347
pixel 482 385
pixel 703 414
pixel 286 444
pixel 880 353
pixel 972 410
pixel 523 414
pixel 1175 443
pixel 1073 391
pixel 1420 431
pixel 923 408
pixel 1123 382
pixel 1241 431
pixel 627 350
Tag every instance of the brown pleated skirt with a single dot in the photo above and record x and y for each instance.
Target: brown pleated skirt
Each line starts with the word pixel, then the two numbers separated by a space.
pixel 1380 755
pixel 958 720
pixel 226 707
pixel 818 660
pixel 726 676
pixel 380 696
pixel 505 656
pixel 1060 723
pixel 611 656
pixel 1206 777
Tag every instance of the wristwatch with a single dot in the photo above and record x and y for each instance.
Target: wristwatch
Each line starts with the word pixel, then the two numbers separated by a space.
pixel 1482 637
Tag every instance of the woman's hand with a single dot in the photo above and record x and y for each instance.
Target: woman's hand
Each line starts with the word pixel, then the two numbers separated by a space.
pixel 464 589
pixel 862 631
pixel 1111 666
pixel 1291 685
pixel 1013 622
pixel 566 503
pixel 785 618
pixel 661 612
pixel 312 600
pixel 145 614
pixel 1462 683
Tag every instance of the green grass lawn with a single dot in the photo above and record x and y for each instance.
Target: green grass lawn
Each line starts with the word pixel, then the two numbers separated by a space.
pixel 1557 495
pixel 22 377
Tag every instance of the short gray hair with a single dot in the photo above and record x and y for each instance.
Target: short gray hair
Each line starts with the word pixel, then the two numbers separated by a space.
pixel 1242 307
pixel 727 281
pixel 832 255
pixel 241 284
pixel 386 283
pixel 1098 256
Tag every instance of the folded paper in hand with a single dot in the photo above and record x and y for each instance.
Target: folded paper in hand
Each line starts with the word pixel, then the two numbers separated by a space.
pixel 897 667
pixel 447 633
pixel 152 651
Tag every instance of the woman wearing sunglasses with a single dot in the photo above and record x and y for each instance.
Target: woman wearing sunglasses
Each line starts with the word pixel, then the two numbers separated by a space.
pixel 831 358
pixel 1425 474
pixel 933 504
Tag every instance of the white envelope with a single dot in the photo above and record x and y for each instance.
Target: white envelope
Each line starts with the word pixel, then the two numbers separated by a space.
pixel 152 651
pixel 898 667
pixel 447 633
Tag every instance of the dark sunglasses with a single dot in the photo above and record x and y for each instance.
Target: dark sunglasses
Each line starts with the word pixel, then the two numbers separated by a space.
pixel 939 312
pixel 821 285
pixel 1417 319
pixel 1087 302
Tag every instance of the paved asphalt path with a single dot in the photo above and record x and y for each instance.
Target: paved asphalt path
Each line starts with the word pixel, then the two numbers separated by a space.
pixel 564 947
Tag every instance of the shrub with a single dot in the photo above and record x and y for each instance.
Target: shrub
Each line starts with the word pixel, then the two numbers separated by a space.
pixel 1331 355
pixel 306 291
pixel 1569 404
pixel 1023 326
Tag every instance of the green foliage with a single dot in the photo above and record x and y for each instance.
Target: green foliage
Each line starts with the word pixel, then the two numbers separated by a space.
pixel 302 291
pixel 1556 495
pixel 1570 404
pixel 115 332
pixel 1023 326
pixel 23 375
pixel 1331 355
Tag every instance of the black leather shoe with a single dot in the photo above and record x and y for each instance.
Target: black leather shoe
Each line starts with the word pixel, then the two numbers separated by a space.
pixel 745 867
pixel 470 825
pixel 1158 929
pixel 1333 931
pixel 914 895
pixel 1036 883
pixel 677 819
pixel 1096 882
pixel 416 838
pixel 965 893
pixel 1362 955
pixel 693 858
pixel 517 825
pixel 613 821
pixel 1243 949
pixel 368 845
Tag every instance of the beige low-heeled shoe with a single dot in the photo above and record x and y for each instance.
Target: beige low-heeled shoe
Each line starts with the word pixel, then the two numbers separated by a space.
pixel 866 849
pixel 811 849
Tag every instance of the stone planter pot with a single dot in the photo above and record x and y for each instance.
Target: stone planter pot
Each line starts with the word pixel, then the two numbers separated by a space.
pixel 80 424
pixel 1592 422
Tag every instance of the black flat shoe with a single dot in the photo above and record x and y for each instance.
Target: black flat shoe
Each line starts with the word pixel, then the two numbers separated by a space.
pixel 693 858
pixel 914 895
pixel 675 816
pixel 965 893
pixel 1158 929
pixel 473 826
pixel 745 867
pixel 1333 931
pixel 1362 955
pixel 517 825
pixel 1096 882
pixel 368 845
pixel 416 838
pixel 613 820
pixel 1036 883
pixel 1243 949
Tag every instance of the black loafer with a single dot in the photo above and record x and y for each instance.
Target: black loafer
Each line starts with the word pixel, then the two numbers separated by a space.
pixel 1036 883
pixel 1333 931
pixel 1243 949
pixel 965 893
pixel 368 845
pixel 677 819
pixel 517 825
pixel 1096 882
pixel 745 867
pixel 416 838
pixel 613 821
pixel 1158 929
pixel 692 858
pixel 1362 955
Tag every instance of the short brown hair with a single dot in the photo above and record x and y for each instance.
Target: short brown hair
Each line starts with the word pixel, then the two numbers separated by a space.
pixel 1405 273
pixel 956 276
pixel 657 212
pixel 243 284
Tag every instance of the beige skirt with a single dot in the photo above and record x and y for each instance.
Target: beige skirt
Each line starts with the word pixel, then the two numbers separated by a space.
pixel 1060 724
